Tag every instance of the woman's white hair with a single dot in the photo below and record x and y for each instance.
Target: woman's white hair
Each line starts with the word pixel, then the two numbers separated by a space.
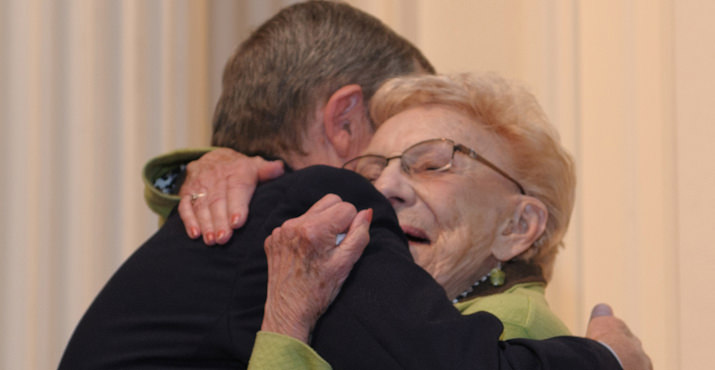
pixel 539 161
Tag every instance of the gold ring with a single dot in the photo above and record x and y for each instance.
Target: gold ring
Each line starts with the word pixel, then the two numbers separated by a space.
pixel 195 196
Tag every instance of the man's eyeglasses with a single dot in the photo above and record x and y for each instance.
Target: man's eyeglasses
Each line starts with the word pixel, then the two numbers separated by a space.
pixel 433 155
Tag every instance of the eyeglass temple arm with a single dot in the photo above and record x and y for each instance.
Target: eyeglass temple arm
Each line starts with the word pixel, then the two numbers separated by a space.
pixel 491 165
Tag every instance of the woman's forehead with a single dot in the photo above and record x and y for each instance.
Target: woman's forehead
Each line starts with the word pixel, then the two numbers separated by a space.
pixel 422 123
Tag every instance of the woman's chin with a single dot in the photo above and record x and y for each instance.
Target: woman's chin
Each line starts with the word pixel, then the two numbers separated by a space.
pixel 420 252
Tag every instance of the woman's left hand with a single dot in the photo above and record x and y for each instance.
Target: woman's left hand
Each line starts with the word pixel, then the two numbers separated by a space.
pixel 307 266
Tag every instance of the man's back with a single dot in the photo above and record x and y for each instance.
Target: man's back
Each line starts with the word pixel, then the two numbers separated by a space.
pixel 177 304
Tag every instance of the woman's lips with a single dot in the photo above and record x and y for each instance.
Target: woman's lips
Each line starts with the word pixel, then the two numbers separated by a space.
pixel 415 235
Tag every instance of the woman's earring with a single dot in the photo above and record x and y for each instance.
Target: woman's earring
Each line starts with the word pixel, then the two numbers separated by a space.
pixel 497 276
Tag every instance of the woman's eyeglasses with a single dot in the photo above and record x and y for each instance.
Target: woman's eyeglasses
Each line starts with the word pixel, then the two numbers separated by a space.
pixel 434 155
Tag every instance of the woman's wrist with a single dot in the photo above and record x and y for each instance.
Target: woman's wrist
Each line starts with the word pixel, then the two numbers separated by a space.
pixel 282 323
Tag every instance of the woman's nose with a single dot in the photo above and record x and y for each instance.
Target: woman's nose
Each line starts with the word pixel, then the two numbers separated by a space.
pixel 395 186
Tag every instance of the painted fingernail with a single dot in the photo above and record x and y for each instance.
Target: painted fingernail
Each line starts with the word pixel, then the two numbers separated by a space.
pixel 234 220
pixel 220 235
pixel 601 309
pixel 369 215
pixel 193 233
pixel 210 238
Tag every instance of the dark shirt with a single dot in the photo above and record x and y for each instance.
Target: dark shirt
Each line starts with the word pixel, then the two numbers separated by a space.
pixel 177 304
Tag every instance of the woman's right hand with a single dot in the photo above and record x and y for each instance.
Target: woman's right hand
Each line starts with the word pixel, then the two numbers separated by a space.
pixel 608 329
pixel 307 267
pixel 217 191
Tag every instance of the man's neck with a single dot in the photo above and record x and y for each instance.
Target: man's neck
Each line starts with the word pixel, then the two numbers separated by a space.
pixel 319 151
pixel 298 162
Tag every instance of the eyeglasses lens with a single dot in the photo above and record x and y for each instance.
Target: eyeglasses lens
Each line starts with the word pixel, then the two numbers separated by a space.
pixel 433 155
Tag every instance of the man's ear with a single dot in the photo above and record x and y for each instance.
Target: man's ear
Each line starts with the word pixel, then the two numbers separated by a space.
pixel 526 224
pixel 344 119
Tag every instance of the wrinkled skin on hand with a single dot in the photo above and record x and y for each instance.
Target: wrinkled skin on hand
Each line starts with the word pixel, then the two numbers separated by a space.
pixel 305 266
pixel 606 328
pixel 228 180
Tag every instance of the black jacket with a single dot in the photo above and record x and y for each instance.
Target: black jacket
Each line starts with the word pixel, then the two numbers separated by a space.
pixel 177 304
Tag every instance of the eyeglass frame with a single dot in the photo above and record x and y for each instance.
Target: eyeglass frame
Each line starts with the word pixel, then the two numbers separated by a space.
pixel 456 147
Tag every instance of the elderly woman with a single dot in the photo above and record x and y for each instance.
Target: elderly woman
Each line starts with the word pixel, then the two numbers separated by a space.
pixel 482 189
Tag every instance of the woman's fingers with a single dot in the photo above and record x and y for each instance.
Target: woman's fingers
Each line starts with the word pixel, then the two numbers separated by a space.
pixel 217 191
pixel 241 183
pixel 186 212
pixel 305 266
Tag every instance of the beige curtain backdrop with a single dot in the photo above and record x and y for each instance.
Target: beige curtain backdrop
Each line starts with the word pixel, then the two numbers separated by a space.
pixel 89 90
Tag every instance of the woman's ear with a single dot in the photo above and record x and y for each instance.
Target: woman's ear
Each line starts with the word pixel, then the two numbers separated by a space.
pixel 517 234
pixel 345 121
